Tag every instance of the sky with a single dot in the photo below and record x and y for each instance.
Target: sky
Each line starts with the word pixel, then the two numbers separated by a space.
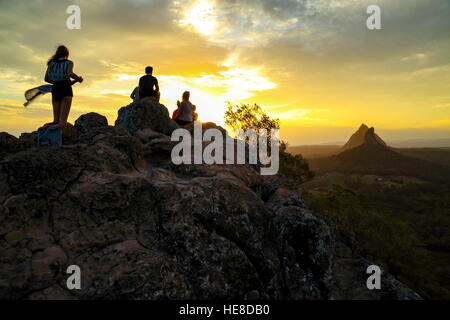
pixel 313 64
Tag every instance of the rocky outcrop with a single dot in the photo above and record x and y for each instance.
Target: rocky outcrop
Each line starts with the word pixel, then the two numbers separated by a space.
pixel 28 140
pixel 350 280
pixel 373 156
pixel 9 144
pixel 206 126
pixel 90 121
pixel 140 227
pixel 148 113
pixel 372 138
pixel 363 135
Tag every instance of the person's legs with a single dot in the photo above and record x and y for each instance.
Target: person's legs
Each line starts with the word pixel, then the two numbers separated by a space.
pixel 66 103
pixel 56 110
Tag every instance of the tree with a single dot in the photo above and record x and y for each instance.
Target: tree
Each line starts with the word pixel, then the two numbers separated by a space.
pixel 246 117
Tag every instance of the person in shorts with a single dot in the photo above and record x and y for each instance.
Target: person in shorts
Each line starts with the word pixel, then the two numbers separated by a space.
pixel 59 73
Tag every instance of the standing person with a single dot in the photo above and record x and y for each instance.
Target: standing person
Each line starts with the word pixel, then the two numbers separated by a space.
pixel 59 72
pixel 185 115
pixel 148 85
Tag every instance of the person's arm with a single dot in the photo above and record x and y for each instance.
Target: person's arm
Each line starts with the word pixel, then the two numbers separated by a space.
pixel 71 74
pixel 156 85
pixel 133 94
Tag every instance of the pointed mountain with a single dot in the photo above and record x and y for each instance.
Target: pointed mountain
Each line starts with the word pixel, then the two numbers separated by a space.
pixel 372 138
pixel 357 138
pixel 367 153
pixel 361 136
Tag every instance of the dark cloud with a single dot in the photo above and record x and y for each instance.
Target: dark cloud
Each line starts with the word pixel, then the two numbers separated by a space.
pixel 120 32
pixel 116 30
pixel 320 46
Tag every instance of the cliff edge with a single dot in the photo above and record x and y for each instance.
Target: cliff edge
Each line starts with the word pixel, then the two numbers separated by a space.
pixel 139 227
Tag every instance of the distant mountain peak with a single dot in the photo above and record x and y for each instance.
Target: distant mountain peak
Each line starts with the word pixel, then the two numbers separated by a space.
pixel 357 138
pixel 373 139
pixel 364 135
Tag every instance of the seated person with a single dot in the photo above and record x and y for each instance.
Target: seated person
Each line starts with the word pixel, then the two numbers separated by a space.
pixel 185 112
pixel 148 85
pixel 135 95
pixel 175 112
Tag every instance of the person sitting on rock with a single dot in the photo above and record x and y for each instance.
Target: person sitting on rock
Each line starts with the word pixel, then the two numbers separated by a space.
pixel 135 95
pixel 148 85
pixel 185 112
pixel 175 112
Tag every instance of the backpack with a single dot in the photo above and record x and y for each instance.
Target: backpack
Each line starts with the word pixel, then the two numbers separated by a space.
pixel 50 135
pixel 175 114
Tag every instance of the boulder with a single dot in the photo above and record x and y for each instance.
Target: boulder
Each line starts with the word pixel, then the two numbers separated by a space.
pixel 29 140
pixel 9 144
pixel 70 134
pixel 90 121
pixel 146 114
pixel 205 126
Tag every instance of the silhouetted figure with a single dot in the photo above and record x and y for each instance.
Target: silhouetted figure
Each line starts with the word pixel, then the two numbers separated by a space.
pixel 135 95
pixel 194 113
pixel 148 85
pixel 59 72
pixel 185 112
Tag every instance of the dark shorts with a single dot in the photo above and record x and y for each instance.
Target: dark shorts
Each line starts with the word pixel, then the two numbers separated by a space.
pixel 61 89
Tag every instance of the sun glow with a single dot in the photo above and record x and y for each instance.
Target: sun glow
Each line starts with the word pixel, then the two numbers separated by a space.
pixel 201 17
pixel 210 107
pixel 211 92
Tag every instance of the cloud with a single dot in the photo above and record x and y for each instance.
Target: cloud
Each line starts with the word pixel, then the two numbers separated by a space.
pixel 324 27
pixel 317 54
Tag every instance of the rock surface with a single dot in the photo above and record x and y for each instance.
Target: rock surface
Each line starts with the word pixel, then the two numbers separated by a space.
pixel 9 144
pixel 148 113
pixel 140 227
pixel 90 121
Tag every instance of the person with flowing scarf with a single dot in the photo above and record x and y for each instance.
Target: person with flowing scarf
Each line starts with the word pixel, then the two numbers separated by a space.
pixel 59 72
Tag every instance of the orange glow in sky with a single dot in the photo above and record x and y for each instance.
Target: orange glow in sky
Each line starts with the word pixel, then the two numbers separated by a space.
pixel 316 67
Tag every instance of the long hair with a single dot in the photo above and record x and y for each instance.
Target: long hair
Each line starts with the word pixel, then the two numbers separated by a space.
pixel 186 96
pixel 61 52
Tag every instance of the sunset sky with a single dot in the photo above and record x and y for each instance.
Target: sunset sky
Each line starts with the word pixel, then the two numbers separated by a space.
pixel 313 64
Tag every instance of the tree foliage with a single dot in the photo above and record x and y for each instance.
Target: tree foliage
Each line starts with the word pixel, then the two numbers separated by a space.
pixel 406 228
pixel 246 117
